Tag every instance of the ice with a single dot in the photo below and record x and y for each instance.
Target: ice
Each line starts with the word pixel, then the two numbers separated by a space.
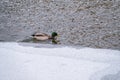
pixel 19 61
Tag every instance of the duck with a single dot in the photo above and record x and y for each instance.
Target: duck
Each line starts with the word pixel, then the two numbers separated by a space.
pixel 44 36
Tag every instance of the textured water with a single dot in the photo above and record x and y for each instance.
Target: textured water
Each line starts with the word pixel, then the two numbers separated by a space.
pixel 92 23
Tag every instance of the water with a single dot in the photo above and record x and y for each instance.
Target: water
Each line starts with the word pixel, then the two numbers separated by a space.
pixel 90 23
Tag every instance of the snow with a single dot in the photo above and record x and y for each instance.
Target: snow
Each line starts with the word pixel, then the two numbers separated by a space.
pixel 23 61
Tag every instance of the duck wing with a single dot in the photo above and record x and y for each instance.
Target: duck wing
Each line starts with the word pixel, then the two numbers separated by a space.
pixel 40 34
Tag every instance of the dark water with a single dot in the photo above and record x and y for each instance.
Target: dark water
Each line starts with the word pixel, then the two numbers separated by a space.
pixel 91 23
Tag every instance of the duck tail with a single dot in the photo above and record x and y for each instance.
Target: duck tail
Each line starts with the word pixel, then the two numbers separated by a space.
pixel 33 35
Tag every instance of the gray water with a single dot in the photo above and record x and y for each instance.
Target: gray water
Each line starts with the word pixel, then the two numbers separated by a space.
pixel 91 23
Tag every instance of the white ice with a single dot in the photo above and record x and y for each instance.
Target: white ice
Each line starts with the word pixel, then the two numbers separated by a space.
pixel 20 61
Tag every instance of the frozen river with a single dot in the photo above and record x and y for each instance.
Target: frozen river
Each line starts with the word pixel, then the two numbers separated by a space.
pixel 31 61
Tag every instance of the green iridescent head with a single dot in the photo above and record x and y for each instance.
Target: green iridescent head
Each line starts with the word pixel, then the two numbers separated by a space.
pixel 54 34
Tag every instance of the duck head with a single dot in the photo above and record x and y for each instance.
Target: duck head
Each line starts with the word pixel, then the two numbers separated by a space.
pixel 54 34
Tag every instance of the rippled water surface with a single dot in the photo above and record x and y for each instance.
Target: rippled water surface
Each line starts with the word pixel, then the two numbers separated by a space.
pixel 92 23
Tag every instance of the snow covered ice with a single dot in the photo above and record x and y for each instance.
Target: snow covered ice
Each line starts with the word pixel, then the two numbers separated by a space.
pixel 23 61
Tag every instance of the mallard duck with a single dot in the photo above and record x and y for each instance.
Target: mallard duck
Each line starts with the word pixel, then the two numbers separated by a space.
pixel 43 36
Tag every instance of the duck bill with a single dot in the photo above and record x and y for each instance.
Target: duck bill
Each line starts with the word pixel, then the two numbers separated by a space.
pixel 58 35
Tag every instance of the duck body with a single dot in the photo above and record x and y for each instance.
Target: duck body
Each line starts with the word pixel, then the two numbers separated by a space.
pixel 41 36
